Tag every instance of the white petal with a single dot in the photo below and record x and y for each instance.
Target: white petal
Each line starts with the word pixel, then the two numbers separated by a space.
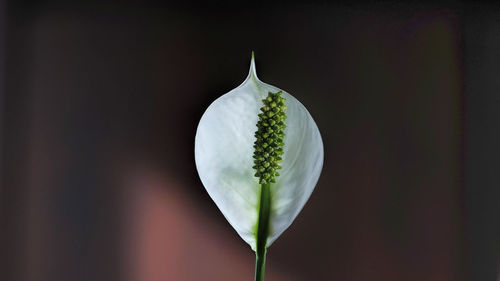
pixel 302 164
pixel 223 154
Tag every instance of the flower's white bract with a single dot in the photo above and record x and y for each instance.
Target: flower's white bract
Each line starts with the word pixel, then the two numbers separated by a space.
pixel 223 154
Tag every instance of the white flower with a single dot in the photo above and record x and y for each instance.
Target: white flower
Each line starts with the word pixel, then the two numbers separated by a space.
pixel 224 150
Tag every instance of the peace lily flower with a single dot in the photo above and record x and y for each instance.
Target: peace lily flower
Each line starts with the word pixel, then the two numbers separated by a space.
pixel 259 155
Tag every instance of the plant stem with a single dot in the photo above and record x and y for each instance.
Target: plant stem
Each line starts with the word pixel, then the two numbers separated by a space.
pixel 262 231
pixel 260 266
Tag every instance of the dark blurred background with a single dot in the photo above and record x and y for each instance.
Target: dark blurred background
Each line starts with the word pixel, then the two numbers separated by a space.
pixel 100 102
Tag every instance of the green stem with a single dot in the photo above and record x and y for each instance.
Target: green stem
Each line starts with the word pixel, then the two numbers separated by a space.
pixel 260 266
pixel 262 231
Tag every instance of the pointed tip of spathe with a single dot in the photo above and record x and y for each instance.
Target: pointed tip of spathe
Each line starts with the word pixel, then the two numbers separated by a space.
pixel 253 70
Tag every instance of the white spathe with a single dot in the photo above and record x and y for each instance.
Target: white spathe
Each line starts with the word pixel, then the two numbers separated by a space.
pixel 224 150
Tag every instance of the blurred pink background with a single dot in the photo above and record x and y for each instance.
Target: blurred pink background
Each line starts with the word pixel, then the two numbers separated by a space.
pixel 101 101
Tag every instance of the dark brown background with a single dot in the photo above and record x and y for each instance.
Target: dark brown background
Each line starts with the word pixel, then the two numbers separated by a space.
pixel 100 103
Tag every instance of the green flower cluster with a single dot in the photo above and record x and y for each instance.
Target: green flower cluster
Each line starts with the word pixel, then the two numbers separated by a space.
pixel 269 138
